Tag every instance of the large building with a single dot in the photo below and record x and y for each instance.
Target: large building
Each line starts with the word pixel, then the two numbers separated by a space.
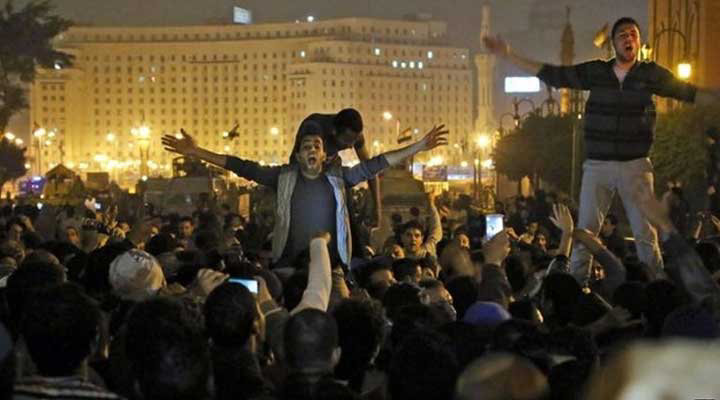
pixel 684 31
pixel 129 86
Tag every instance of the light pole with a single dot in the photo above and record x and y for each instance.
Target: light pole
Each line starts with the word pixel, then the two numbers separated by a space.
pixel 38 134
pixel 142 135
pixel 483 142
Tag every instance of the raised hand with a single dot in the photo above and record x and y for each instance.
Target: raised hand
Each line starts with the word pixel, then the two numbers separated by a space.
pixel 496 45
pixel 436 137
pixel 562 218
pixel 185 145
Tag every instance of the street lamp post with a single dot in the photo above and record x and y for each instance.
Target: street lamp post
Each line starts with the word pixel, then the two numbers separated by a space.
pixel 142 135
pixel 38 134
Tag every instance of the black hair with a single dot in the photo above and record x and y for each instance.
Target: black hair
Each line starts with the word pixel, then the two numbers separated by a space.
pixel 405 268
pixel 230 312
pixel 399 296
pixel 60 326
pixel 167 351
pixel 23 283
pixel 423 367
pixel 311 337
pixel 620 22
pixel 360 333
pixel 161 243
pixel 308 128
pixel 464 291
pixel 413 224
pixel 632 297
pixel 349 118
pixel 186 219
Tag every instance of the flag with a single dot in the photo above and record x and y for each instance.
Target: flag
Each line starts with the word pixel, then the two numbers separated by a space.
pixel 601 37
pixel 405 136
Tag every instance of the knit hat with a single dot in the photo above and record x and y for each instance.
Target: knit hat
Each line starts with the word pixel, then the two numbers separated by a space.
pixel 135 275
pixel 485 313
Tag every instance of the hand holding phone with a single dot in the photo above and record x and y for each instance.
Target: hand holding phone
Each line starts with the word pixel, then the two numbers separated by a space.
pixel 493 225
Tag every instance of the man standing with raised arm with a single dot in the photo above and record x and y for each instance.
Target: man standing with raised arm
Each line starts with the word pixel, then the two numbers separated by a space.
pixel 619 131
pixel 311 194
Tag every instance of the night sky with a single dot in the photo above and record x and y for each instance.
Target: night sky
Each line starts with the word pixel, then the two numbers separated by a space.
pixel 533 27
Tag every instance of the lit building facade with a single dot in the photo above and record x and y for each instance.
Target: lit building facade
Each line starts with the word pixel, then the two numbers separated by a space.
pixel 128 86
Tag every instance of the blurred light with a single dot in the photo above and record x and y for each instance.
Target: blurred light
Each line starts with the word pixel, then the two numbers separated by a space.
pixel 27 165
pixel 226 148
pixel 483 141
pixel 437 160
pixel 416 131
pixel 58 66
pixel 82 165
pixel 310 18
pixel 47 142
pixel 10 136
pixel 387 116
pixel 51 134
pixel 412 64
pixel 36 178
pixel 40 132
pixel 487 163
pixel 19 141
pixel 522 84
pixel 100 157
pixel 464 164
pixel 420 64
pixel 376 143
pixel 144 178
pixel 430 54
pixel 395 64
pixel 179 136
pixel 110 137
pixel 224 134
pixel 684 70
pixel 376 51
pixel 274 131
pixel 403 64
pixel 144 131
pixel 302 53
pixel 579 116
pixel 476 161
pixel 71 164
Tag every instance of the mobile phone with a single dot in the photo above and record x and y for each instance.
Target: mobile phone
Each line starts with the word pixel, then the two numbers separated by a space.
pixel 251 284
pixel 98 206
pixel 39 206
pixel 493 225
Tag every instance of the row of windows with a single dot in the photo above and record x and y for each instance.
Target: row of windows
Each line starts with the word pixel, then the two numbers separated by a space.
pixel 300 31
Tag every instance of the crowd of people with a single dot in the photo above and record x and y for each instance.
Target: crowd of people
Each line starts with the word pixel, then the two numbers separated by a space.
pixel 95 306
pixel 299 305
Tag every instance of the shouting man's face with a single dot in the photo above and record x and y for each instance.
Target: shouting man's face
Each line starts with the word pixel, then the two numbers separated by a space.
pixel 627 43
pixel 311 156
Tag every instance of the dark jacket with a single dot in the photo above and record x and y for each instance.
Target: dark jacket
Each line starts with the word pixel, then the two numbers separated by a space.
pixel 619 117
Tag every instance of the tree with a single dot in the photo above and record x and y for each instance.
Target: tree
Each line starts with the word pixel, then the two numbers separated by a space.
pixel 12 161
pixel 680 150
pixel 541 148
pixel 26 37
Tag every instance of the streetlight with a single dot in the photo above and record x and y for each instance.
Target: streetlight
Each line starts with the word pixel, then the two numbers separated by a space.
pixel 19 142
pixel 38 134
pixel 684 70
pixel 142 135
pixel 483 142
pixel 274 131
pixel 10 136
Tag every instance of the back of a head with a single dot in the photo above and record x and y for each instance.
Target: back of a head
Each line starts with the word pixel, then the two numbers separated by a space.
pixel 398 296
pixel 405 269
pixel 349 118
pixel 230 312
pixel 311 337
pixel 632 297
pixel 167 350
pixel 161 243
pixel 22 284
pixel 464 291
pixel 424 366
pixel 501 376
pixel 60 325
pixel 360 333
pixel 663 296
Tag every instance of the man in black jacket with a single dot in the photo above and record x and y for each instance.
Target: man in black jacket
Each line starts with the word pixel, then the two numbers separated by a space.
pixel 619 129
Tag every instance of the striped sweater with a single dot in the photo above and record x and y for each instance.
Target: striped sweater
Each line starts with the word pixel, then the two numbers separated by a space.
pixel 619 117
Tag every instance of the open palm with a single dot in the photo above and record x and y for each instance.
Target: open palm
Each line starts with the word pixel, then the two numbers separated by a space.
pixel 184 145
pixel 436 137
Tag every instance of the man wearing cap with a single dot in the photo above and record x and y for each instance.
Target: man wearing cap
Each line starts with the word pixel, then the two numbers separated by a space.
pixel 619 124
pixel 311 194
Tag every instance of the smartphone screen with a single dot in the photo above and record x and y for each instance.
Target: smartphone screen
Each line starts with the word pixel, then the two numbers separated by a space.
pixel 251 284
pixel 493 225
pixel 98 206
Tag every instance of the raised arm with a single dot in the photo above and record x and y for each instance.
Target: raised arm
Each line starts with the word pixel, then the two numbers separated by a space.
pixel 502 49
pixel 251 170
pixel 436 137
pixel 317 293
pixel 374 184
pixel 187 146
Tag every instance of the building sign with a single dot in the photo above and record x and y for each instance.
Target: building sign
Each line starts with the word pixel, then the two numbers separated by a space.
pixel 242 16
pixel 435 174
pixel 522 84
